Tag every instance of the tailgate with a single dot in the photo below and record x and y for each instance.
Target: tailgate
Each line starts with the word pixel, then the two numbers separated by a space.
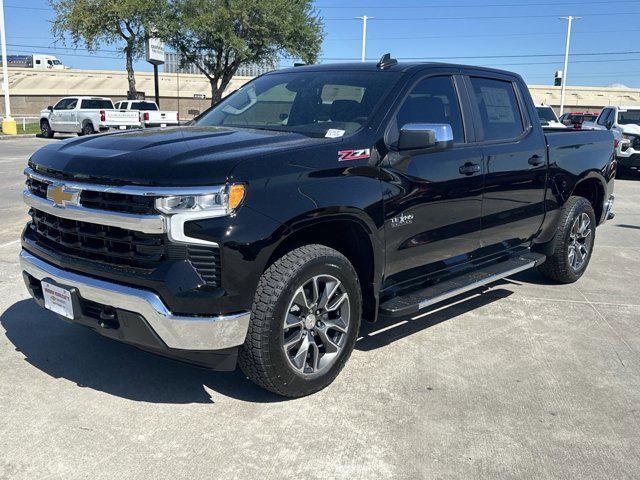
pixel 161 116
pixel 116 118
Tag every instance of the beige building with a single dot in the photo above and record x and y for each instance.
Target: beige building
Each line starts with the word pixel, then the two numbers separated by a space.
pixel 32 90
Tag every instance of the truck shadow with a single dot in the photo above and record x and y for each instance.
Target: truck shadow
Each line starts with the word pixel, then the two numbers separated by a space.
pixel 386 331
pixel 79 355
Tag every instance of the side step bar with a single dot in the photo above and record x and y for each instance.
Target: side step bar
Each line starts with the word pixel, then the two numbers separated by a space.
pixel 413 302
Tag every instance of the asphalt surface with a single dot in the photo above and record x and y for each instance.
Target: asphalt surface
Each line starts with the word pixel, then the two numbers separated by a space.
pixel 528 380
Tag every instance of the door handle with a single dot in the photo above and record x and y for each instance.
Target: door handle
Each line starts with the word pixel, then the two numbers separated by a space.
pixel 536 161
pixel 469 168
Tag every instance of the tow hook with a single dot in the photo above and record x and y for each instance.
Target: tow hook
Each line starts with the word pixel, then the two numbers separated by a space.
pixel 108 319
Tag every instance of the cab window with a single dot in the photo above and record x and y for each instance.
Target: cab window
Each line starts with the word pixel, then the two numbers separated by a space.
pixel 433 100
pixel 602 119
pixel 497 103
pixel 62 104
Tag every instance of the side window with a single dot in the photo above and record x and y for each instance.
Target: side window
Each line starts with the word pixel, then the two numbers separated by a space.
pixel 62 104
pixel 433 100
pixel 72 104
pixel 612 117
pixel 499 111
pixel 602 119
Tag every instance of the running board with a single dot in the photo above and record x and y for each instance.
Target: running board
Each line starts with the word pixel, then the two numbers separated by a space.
pixel 413 302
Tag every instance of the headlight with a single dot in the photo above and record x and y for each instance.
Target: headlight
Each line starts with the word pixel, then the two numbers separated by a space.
pixel 191 207
pixel 219 203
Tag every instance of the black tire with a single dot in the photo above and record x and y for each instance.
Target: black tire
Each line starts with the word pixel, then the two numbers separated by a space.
pixel 262 358
pixel 559 265
pixel 45 129
pixel 87 129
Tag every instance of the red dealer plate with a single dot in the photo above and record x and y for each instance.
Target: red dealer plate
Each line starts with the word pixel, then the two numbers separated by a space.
pixel 57 299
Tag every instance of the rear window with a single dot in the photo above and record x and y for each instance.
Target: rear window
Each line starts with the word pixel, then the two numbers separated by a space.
pixel 499 110
pixel 629 117
pixel 546 113
pixel 96 104
pixel 144 106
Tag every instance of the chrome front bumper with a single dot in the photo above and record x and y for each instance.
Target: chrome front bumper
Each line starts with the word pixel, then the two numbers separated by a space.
pixel 608 208
pixel 178 332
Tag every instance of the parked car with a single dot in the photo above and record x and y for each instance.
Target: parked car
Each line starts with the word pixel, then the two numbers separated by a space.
pixel 150 114
pixel 84 116
pixel 548 117
pixel 576 119
pixel 625 122
pixel 311 198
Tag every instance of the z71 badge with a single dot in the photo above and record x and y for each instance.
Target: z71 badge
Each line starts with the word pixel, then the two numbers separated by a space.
pixel 359 154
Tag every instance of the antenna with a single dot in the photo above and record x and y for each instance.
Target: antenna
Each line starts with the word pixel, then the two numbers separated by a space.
pixel 386 61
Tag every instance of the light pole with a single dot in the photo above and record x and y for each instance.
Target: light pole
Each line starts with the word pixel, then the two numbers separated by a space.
pixel 8 124
pixel 364 36
pixel 566 60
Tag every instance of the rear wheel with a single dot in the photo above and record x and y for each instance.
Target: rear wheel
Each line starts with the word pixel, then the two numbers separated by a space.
pixel 573 243
pixel 87 129
pixel 304 322
pixel 45 129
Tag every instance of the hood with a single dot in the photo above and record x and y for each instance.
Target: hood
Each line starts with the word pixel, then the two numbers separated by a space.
pixel 180 156
pixel 632 129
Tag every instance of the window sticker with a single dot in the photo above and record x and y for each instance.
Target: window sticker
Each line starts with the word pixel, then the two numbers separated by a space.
pixel 498 105
pixel 334 133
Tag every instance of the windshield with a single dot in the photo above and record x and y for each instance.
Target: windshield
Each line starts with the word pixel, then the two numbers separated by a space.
pixel 144 106
pixel 96 104
pixel 56 62
pixel 629 117
pixel 546 113
pixel 325 104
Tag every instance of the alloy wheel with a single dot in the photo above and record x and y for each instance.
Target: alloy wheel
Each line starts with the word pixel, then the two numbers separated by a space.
pixel 316 324
pixel 580 239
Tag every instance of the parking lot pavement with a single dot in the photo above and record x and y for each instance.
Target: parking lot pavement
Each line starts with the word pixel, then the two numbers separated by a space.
pixel 527 380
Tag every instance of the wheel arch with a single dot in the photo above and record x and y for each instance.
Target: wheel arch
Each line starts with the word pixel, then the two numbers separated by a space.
pixel 593 188
pixel 349 234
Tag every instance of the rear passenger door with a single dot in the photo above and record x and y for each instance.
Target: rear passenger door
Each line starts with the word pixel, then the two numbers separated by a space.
pixel 515 169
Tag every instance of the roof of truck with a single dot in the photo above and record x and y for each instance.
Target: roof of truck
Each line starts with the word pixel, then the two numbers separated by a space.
pixel 373 67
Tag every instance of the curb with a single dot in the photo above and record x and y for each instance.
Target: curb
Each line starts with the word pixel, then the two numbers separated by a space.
pixel 24 135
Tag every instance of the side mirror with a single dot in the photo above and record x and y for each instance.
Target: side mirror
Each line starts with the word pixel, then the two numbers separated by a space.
pixel 422 136
pixel 608 125
pixel 50 108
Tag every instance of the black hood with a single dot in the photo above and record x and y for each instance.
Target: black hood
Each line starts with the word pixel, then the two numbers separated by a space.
pixel 180 156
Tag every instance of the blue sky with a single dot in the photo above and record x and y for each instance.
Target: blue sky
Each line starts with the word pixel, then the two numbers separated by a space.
pixel 525 36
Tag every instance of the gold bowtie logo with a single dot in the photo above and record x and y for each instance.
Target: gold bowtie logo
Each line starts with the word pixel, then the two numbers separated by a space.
pixel 62 196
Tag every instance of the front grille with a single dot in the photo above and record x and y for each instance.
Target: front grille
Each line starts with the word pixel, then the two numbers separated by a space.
pixel 636 143
pixel 115 202
pixel 120 247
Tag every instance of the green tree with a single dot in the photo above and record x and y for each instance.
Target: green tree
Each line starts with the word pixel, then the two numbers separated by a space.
pixel 122 23
pixel 219 36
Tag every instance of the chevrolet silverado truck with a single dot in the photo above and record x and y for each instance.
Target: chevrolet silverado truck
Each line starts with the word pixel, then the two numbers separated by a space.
pixel 309 200
pixel 85 116
pixel 624 122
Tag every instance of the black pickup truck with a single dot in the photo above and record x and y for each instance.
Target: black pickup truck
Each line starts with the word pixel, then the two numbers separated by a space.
pixel 310 199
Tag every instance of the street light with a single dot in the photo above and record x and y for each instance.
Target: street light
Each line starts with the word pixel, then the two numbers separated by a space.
pixel 364 35
pixel 566 60
pixel 8 124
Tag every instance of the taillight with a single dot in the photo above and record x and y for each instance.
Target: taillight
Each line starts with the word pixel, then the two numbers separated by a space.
pixel 578 125
pixel 616 142
pixel 103 116
pixel 146 116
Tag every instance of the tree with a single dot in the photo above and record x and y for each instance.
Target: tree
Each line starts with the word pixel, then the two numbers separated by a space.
pixel 123 23
pixel 219 36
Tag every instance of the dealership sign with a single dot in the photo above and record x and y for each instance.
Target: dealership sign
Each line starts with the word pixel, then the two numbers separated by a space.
pixel 155 51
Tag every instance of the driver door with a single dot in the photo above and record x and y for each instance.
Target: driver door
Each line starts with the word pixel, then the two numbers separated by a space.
pixel 433 205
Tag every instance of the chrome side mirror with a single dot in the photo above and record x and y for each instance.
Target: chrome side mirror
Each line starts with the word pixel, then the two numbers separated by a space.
pixel 422 136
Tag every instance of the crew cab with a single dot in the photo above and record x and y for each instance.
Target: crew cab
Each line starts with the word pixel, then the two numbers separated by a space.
pixel 84 116
pixel 309 200
pixel 150 114
pixel 624 122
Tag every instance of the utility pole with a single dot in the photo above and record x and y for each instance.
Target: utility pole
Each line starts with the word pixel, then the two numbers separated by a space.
pixel 8 124
pixel 566 59
pixel 364 35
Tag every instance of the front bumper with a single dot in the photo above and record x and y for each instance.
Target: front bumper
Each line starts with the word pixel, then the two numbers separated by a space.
pixel 191 333
pixel 628 160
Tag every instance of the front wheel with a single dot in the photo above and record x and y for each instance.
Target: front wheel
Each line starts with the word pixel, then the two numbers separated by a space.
pixel 45 129
pixel 573 242
pixel 304 322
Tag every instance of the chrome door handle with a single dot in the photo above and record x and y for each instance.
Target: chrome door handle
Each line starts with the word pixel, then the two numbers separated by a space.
pixel 536 161
pixel 469 168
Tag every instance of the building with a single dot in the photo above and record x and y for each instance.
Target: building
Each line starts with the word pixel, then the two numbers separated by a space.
pixel 172 65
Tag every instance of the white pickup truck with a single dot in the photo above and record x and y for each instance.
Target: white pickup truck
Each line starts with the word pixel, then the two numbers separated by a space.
pixel 84 116
pixel 624 122
pixel 150 114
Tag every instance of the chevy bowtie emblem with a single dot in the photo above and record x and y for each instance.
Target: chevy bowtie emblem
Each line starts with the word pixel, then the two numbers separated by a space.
pixel 62 196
